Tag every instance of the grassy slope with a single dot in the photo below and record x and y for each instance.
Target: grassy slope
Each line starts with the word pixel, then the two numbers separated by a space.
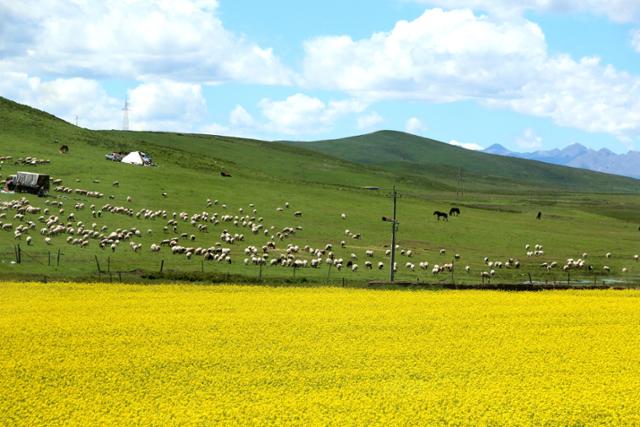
pixel 406 153
pixel 267 175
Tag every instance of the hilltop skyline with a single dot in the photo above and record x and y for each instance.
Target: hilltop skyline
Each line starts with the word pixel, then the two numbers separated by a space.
pixel 542 75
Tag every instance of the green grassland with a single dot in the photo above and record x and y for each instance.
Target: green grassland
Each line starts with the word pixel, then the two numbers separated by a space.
pixel 583 211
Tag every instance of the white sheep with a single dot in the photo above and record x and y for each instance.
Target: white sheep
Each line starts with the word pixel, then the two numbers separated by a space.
pixel 608 254
pixel 343 215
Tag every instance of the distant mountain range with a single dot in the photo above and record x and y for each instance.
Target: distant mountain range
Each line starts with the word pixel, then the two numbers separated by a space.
pixel 579 156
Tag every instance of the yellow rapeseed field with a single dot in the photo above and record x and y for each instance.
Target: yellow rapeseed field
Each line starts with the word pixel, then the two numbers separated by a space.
pixel 78 354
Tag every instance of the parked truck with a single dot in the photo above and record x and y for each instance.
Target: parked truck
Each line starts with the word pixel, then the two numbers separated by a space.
pixel 28 182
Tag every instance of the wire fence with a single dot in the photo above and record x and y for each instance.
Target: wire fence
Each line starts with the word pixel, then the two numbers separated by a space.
pixel 25 262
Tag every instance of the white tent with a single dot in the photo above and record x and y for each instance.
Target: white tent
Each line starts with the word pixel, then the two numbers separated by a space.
pixel 133 158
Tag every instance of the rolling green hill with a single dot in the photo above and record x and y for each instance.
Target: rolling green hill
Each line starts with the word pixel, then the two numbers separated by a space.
pixel 413 155
pixel 501 199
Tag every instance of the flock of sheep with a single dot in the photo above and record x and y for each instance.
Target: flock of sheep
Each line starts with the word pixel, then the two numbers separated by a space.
pixel 181 231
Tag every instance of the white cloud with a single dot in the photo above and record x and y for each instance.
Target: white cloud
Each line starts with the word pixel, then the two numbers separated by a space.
pixel 239 117
pixel 303 114
pixel 414 125
pixel 635 39
pixel 369 121
pixel 447 56
pixel 166 105
pixel 160 105
pixel 616 10
pixel 298 114
pixel 65 98
pixel 581 94
pixel 143 40
pixel 440 57
pixel 529 140
pixel 467 145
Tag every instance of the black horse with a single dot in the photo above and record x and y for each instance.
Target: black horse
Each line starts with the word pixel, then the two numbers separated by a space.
pixel 442 215
pixel 454 211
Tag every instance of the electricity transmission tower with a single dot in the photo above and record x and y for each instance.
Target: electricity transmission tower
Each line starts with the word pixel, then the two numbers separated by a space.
pixel 125 115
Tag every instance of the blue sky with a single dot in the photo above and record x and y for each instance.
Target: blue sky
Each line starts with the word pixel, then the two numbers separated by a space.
pixel 531 74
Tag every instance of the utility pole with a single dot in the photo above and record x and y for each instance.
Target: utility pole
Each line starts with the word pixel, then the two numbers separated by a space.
pixel 394 229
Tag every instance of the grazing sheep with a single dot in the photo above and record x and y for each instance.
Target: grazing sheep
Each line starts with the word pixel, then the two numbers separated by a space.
pixel 636 257
pixel 608 254
pixel 29 240
pixel 343 215
pixel 624 269
pixel 380 265
pixel 606 268
pixel 467 269
pixel 443 251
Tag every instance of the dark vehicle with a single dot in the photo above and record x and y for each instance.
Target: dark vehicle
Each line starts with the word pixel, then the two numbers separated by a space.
pixel 28 182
